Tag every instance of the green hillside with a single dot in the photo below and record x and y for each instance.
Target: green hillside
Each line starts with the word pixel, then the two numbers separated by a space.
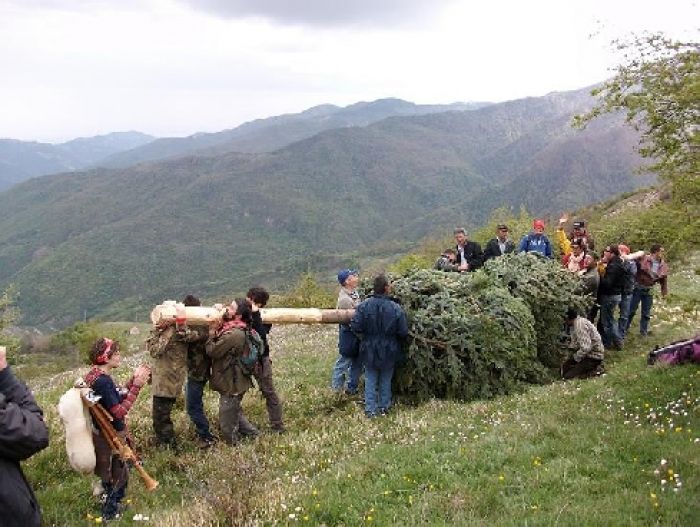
pixel 106 242
pixel 593 452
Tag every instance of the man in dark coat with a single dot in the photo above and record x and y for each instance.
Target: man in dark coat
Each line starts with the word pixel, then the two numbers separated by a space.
pixel 258 297
pixel 382 326
pixel 22 434
pixel 469 254
pixel 610 295
pixel 499 245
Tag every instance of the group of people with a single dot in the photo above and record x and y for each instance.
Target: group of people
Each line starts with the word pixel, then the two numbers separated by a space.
pixel 229 355
pixel 234 352
pixel 620 281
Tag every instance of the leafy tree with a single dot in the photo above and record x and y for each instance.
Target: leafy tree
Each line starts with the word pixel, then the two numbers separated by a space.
pixel 308 293
pixel 658 86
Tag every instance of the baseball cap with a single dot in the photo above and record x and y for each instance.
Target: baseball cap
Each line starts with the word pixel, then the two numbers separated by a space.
pixel 345 274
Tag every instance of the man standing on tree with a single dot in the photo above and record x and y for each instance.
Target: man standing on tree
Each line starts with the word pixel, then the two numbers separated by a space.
pixel 469 255
pixel 499 245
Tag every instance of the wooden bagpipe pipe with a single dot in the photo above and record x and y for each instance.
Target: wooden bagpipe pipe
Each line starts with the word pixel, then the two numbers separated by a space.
pixel 104 423
pixel 201 315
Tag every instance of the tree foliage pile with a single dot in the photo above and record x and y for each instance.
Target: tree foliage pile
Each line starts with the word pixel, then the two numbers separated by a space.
pixel 547 289
pixel 486 333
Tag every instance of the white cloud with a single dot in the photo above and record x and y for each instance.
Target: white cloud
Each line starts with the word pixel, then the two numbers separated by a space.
pixel 324 13
pixel 80 68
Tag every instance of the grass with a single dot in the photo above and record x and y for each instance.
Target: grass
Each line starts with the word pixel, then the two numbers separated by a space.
pixel 622 449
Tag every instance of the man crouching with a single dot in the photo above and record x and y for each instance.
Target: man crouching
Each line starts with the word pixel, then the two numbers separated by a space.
pixel 587 346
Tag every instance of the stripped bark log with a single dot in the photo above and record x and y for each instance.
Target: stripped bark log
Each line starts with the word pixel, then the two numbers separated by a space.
pixel 200 315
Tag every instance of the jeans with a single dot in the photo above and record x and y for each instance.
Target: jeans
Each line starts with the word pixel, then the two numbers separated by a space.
pixel 378 383
pixel 194 391
pixel 113 496
pixel 644 296
pixel 346 367
pixel 607 319
pixel 623 321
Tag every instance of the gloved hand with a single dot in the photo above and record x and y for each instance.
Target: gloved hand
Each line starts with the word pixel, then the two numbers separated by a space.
pixel 180 315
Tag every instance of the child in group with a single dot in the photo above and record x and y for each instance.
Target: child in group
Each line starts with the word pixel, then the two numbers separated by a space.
pixel 113 472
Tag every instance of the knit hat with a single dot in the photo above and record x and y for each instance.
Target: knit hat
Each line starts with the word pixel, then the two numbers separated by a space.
pixel 579 224
pixel 345 274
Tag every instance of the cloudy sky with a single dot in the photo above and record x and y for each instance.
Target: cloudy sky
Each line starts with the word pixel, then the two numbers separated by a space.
pixel 175 67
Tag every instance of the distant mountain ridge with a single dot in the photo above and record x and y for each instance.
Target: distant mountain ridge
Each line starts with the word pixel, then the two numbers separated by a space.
pixel 105 241
pixel 21 160
pixel 272 133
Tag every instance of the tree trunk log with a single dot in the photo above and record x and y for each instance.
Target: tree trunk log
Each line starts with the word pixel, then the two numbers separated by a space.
pixel 200 315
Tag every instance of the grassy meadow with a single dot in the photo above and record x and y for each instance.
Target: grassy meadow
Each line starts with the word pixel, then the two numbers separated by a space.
pixel 621 449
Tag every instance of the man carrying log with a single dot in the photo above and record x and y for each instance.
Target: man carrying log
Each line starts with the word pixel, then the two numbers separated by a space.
pixel 229 342
pixel 258 297
pixel 198 371
pixel 169 346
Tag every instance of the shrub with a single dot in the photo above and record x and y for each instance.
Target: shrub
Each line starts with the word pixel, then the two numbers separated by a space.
pixel 308 293
pixel 78 339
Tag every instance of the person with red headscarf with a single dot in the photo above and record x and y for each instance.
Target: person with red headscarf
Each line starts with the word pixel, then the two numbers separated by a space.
pixel 113 472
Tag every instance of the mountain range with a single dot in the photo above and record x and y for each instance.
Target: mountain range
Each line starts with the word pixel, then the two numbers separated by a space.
pixel 111 242
pixel 21 160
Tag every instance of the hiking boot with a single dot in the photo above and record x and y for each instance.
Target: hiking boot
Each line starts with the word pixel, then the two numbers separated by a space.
pixel 205 442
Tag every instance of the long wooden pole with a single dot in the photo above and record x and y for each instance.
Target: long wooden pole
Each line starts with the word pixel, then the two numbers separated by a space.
pixel 166 312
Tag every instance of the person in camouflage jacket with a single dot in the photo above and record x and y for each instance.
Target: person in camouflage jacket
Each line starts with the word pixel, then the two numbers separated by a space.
pixel 168 345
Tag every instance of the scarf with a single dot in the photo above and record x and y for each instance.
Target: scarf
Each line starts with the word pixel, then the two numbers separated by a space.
pixel 228 325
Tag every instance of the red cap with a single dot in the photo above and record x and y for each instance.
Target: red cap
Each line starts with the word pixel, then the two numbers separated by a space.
pixel 538 224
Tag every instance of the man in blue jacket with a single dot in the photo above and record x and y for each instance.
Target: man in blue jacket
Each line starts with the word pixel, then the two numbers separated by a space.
pixel 536 241
pixel 22 434
pixel 382 326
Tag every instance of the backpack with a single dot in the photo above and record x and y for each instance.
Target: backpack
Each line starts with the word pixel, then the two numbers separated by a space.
pixel 252 354
pixel 676 353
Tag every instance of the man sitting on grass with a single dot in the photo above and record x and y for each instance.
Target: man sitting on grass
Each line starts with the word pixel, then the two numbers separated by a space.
pixel 585 342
